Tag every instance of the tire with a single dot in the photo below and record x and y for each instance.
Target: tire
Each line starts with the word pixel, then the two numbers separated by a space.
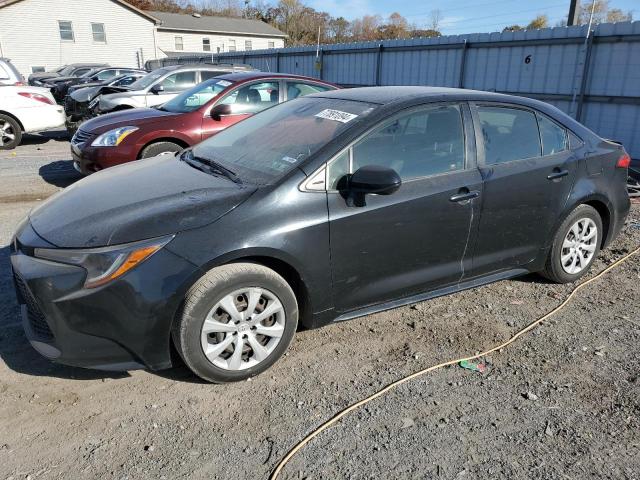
pixel 207 306
pixel 10 133
pixel 160 148
pixel 586 246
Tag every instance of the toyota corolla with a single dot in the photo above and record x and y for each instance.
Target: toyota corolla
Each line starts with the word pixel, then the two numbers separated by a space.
pixel 321 209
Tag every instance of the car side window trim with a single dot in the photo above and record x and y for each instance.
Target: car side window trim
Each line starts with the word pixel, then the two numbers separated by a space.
pixel 306 185
pixel 567 147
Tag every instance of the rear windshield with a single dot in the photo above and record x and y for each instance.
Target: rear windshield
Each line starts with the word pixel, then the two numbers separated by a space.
pixel 266 146
pixel 195 97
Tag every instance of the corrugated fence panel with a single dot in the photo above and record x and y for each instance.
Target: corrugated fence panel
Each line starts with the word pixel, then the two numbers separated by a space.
pixel 547 64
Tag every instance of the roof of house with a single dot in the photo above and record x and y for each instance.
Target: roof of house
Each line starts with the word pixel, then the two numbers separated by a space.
pixel 205 23
pixel 6 3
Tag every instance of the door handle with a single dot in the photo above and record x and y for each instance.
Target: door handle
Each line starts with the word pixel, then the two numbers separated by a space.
pixel 465 195
pixel 557 173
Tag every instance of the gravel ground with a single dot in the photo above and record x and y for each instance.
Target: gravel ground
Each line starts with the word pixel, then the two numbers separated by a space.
pixel 564 402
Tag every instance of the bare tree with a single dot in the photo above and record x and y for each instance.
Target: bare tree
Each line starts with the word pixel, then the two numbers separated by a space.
pixel 435 18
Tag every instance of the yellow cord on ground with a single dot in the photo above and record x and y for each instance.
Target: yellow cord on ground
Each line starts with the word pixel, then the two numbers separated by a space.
pixel 395 384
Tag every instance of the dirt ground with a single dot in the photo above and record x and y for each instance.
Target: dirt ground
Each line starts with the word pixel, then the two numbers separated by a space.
pixel 564 402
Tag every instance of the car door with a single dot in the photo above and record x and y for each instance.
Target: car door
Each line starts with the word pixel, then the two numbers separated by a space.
pixel 245 100
pixel 171 85
pixel 528 171
pixel 416 239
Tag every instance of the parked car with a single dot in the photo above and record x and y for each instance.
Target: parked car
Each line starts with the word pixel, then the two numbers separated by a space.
pixel 75 69
pixel 187 119
pixel 76 103
pixel 324 208
pixel 163 84
pixel 9 75
pixel 60 86
pixel 26 110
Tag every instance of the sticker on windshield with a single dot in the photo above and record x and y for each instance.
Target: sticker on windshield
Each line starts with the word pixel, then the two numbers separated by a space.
pixel 223 83
pixel 336 115
pixel 289 159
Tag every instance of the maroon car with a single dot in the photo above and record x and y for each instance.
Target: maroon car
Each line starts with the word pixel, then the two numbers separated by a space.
pixel 187 119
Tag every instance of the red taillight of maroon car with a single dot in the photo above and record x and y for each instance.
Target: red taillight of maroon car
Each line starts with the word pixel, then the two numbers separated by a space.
pixel 624 161
pixel 37 97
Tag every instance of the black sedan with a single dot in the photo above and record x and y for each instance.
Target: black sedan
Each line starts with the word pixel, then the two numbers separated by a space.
pixel 321 209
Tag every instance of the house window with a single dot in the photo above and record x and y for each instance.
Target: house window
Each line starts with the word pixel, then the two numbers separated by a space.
pixel 37 69
pixel 232 45
pixel 66 31
pixel 179 43
pixel 99 36
pixel 247 44
pixel 206 44
pixel 272 44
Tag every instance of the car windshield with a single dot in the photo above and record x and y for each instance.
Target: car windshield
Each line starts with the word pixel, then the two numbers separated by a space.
pixel 147 80
pixel 195 97
pixel 90 73
pixel 266 146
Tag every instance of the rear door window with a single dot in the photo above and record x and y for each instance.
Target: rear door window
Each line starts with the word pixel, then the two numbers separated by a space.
pixel 180 81
pixel 554 137
pixel 508 134
pixel 300 89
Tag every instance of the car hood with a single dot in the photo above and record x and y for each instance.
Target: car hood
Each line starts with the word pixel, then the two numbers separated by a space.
pixel 61 79
pixel 135 201
pixel 133 116
pixel 84 94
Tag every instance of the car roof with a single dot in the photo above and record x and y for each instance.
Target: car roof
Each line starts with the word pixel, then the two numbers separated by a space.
pixel 394 94
pixel 243 76
pixel 206 66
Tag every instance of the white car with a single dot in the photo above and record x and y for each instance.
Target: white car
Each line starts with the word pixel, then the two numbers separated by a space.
pixel 26 110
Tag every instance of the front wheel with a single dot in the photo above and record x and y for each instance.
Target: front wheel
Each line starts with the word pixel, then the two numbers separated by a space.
pixel 575 245
pixel 160 148
pixel 236 322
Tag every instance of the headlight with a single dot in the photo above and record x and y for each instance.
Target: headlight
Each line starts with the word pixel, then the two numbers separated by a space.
pixel 108 263
pixel 114 137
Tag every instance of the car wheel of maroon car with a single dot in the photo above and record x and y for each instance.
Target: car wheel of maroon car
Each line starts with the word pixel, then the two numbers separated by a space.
pixel 159 148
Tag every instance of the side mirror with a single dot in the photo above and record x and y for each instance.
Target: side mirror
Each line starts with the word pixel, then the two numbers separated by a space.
pixel 220 111
pixel 371 179
pixel 157 89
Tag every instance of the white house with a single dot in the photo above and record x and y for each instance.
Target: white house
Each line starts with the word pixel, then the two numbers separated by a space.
pixel 41 35
pixel 183 34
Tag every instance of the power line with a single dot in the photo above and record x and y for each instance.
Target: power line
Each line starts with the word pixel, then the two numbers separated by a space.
pixel 514 13
pixel 465 7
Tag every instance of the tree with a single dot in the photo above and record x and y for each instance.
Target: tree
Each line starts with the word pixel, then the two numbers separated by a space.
pixel 339 30
pixel 602 13
pixel 541 21
pixel 436 18
pixel 417 33
pixel 513 28
pixel 396 27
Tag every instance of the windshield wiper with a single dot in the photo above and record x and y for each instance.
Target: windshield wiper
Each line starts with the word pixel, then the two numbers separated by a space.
pixel 214 167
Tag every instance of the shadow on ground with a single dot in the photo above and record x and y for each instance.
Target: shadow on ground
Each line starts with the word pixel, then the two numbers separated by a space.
pixel 44 137
pixel 19 355
pixel 60 173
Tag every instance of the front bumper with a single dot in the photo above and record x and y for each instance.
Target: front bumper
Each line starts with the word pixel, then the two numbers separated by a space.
pixel 88 159
pixel 121 326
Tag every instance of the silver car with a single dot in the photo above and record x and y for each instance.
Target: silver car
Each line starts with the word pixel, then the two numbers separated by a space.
pixel 162 85
pixel 9 75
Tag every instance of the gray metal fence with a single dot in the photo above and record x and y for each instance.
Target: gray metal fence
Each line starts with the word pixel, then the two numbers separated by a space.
pixel 597 81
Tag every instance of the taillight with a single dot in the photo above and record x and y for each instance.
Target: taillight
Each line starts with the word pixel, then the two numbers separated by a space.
pixel 37 97
pixel 19 84
pixel 624 161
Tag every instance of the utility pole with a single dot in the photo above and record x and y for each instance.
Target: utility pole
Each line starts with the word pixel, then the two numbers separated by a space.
pixel 574 13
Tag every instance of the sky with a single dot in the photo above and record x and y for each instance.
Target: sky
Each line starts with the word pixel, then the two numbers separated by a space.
pixel 462 16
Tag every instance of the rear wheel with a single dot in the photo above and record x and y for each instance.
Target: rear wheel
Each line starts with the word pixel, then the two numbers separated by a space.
pixel 10 133
pixel 575 246
pixel 236 322
pixel 160 148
